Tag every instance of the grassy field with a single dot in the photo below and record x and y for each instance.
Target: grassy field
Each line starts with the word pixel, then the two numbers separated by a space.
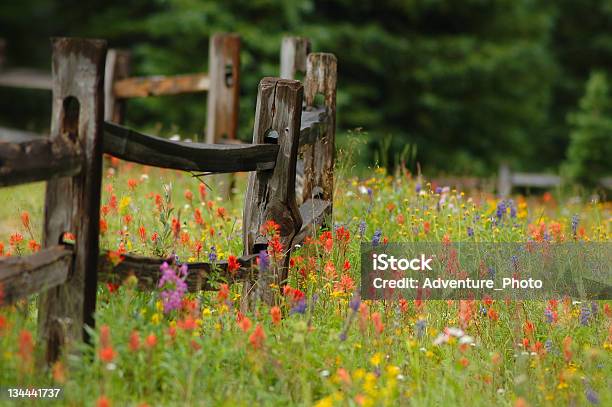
pixel 321 345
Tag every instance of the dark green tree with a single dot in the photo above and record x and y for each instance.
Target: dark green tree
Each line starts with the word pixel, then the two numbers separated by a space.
pixel 589 155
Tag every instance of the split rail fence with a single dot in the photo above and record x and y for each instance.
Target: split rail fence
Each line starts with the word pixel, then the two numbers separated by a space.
pixel 65 274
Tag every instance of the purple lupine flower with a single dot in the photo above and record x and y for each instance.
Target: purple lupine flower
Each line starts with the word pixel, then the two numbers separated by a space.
pixel 592 396
pixel 376 237
pixel 470 231
pixel 417 188
pixel 549 315
pixel 585 315
pixel 512 209
pixel 491 272
pixel 173 285
pixel 299 308
pixel 264 261
pixel 501 209
pixel 483 310
pixel 548 345
pixel 355 303
pixel 575 220
pixel 362 228
pixel 594 308
pixel 438 190
pixel 212 256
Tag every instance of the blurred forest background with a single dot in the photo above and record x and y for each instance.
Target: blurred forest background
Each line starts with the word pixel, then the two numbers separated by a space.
pixel 470 83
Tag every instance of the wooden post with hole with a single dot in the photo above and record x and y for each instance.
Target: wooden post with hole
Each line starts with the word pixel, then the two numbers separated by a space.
pixel 271 194
pixel 223 97
pixel 117 67
pixel 321 76
pixel 224 91
pixel 293 55
pixel 72 204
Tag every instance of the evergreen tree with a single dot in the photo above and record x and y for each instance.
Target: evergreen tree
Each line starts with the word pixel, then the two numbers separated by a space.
pixel 589 155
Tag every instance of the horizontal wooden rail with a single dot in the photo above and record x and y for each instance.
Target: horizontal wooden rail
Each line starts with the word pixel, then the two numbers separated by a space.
pixel 312 120
pixel 27 158
pixel 161 85
pixel 133 146
pixel 26 78
pixel 147 270
pixel 23 276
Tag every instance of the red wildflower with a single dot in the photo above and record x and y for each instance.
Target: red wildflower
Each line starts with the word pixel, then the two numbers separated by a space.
pixel 184 238
pixel 258 337
pixel 426 227
pixel 197 215
pixel 270 228
pixel 132 184
pixel 112 287
pixel 202 190
pixel 176 227
pixel 275 245
pixel 104 210
pixel 112 202
pixel 221 212
pixel 400 219
pixel 103 401
pixel 34 247
pixel 103 226
pixel 343 234
pixel 377 321
pixel 275 313
pixel 151 341
pixel 528 327
pixel 158 201
pixel 58 372
pixel 143 233
pixel 127 219
pixel 134 341
pixel 154 237
pixel 232 264
pixel 25 219
pixel 346 284
pixel 188 195
pixel 223 293
pixel 567 348
pixel 347 265
pixel 26 346
pixel 1 249
pixel 245 324
pixel 107 354
pixel 492 314
pixel 105 335
pixel 15 239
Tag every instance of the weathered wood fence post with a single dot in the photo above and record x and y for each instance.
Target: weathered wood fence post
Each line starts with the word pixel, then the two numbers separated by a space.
pixel 224 92
pixel 294 51
pixel 117 67
pixel 271 193
pixel 319 158
pixel 72 204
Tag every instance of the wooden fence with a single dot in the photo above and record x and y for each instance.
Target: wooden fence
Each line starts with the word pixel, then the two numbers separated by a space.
pixel 70 160
pixel 222 83
pixel 507 180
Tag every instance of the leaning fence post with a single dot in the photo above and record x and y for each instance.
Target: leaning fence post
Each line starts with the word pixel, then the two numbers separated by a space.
pixel 321 75
pixel 271 194
pixel 72 204
pixel 117 67
pixel 294 51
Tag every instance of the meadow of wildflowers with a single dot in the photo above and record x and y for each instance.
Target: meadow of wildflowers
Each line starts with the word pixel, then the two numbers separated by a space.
pixel 321 344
